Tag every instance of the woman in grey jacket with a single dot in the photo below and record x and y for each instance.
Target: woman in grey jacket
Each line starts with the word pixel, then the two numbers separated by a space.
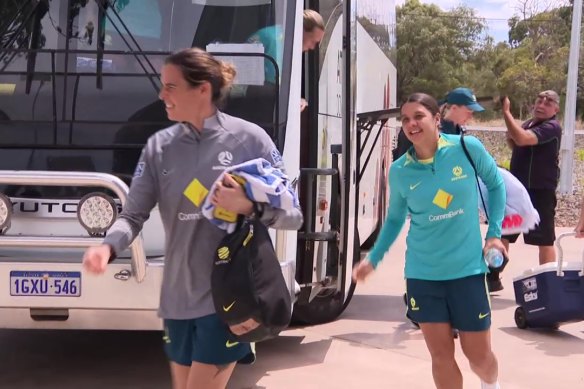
pixel 176 170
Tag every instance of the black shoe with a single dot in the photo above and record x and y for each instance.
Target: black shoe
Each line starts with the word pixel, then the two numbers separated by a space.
pixel 494 281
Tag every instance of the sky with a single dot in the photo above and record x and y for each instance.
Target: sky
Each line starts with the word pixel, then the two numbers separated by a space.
pixel 495 11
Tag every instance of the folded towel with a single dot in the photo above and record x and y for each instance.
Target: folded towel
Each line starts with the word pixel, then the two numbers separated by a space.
pixel 262 183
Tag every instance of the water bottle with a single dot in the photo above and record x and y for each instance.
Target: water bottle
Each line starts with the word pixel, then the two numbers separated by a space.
pixel 494 258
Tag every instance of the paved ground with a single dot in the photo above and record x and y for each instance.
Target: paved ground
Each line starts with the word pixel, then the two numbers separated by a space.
pixel 370 346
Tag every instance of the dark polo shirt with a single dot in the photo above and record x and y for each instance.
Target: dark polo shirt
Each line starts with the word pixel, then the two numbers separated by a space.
pixel 537 166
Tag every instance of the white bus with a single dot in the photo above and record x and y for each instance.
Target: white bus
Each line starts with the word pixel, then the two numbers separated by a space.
pixel 78 100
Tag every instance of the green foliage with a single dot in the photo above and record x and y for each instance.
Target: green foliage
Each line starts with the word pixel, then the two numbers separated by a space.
pixel 434 46
pixel 438 50
pixel 580 154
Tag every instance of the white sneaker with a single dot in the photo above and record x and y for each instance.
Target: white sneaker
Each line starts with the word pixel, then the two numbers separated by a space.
pixel 495 385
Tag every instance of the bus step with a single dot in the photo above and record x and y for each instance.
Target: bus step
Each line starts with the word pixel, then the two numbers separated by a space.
pixel 320 286
pixel 327 283
pixel 313 171
pixel 328 236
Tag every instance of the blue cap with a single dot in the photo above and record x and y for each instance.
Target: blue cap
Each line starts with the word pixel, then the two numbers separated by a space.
pixel 463 96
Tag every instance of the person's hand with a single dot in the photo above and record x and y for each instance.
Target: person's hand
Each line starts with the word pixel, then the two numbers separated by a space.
pixel 506 104
pixel 230 196
pixel 96 258
pixel 579 229
pixel 245 327
pixel 303 104
pixel 495 243
pixel 362 270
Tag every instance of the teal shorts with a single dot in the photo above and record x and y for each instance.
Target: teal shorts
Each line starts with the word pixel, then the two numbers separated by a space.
pixel 206 340
pixel 462 302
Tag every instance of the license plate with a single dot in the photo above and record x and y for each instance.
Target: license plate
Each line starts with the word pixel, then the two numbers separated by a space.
pixel 45 283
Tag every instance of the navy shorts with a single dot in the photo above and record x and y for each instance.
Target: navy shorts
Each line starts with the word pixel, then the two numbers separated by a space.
pixel 462 302
pixel 206 340
pixel 544 234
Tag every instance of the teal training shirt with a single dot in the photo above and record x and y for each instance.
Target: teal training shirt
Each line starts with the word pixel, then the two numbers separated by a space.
pixel 272 37
pixel 444 241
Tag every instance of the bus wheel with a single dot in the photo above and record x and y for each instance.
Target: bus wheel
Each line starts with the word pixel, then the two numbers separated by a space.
pixel 322 309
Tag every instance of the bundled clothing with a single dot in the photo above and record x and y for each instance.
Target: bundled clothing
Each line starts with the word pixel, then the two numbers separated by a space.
pixel 262 183
pixel 520 214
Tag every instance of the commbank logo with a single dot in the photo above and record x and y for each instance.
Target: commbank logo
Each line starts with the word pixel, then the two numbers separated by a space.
pixel 196 192
pixel 442 199
pixel 225 158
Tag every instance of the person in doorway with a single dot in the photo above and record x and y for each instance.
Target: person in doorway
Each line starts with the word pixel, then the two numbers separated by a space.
pixel 535 162
pixel 176 168
pixel 445 274
pixel 313 32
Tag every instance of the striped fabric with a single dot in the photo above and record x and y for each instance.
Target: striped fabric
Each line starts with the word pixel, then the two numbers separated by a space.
pixel 263 184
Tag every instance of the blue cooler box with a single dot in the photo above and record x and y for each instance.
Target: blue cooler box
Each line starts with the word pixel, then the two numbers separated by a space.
pixel 551 294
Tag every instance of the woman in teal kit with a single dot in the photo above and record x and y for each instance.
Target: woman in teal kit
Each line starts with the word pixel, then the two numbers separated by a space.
pixel 445 271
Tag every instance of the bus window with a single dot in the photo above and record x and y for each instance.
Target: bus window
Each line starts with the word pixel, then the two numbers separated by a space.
pixel 88 98
pixel 254 21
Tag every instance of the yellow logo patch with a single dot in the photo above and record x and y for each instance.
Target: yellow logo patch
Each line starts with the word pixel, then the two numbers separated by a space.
pixel 228 307
pixel 196 192
pixel 442 199
pixel 413 305
pixel 457 174
pixel 457 171
pixel 230 344
pixel 223 252
pixel 225 215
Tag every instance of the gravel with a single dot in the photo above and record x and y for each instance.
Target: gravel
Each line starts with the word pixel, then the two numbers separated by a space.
pixel 568 208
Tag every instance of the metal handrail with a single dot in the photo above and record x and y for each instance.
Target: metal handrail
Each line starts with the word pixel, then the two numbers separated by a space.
pixel 85 179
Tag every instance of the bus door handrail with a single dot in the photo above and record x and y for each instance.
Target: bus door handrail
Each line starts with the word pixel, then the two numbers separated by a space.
pixel 85 179
pixel 366 122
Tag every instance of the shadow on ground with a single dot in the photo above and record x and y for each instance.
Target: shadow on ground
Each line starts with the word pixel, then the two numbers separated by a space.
pixel 552 342
pixel 284 352
pixel 98 359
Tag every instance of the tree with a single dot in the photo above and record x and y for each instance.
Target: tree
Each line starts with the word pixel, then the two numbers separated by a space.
pixel 540 45
pixel 433 46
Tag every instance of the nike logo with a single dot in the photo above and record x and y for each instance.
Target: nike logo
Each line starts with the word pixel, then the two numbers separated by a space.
pixel 227 308
pixel 412 187
pixel 230 344
pixel 483 315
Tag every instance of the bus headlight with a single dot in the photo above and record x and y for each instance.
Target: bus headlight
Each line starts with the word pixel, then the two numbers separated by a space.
pixel 5 213
pixel 96 213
